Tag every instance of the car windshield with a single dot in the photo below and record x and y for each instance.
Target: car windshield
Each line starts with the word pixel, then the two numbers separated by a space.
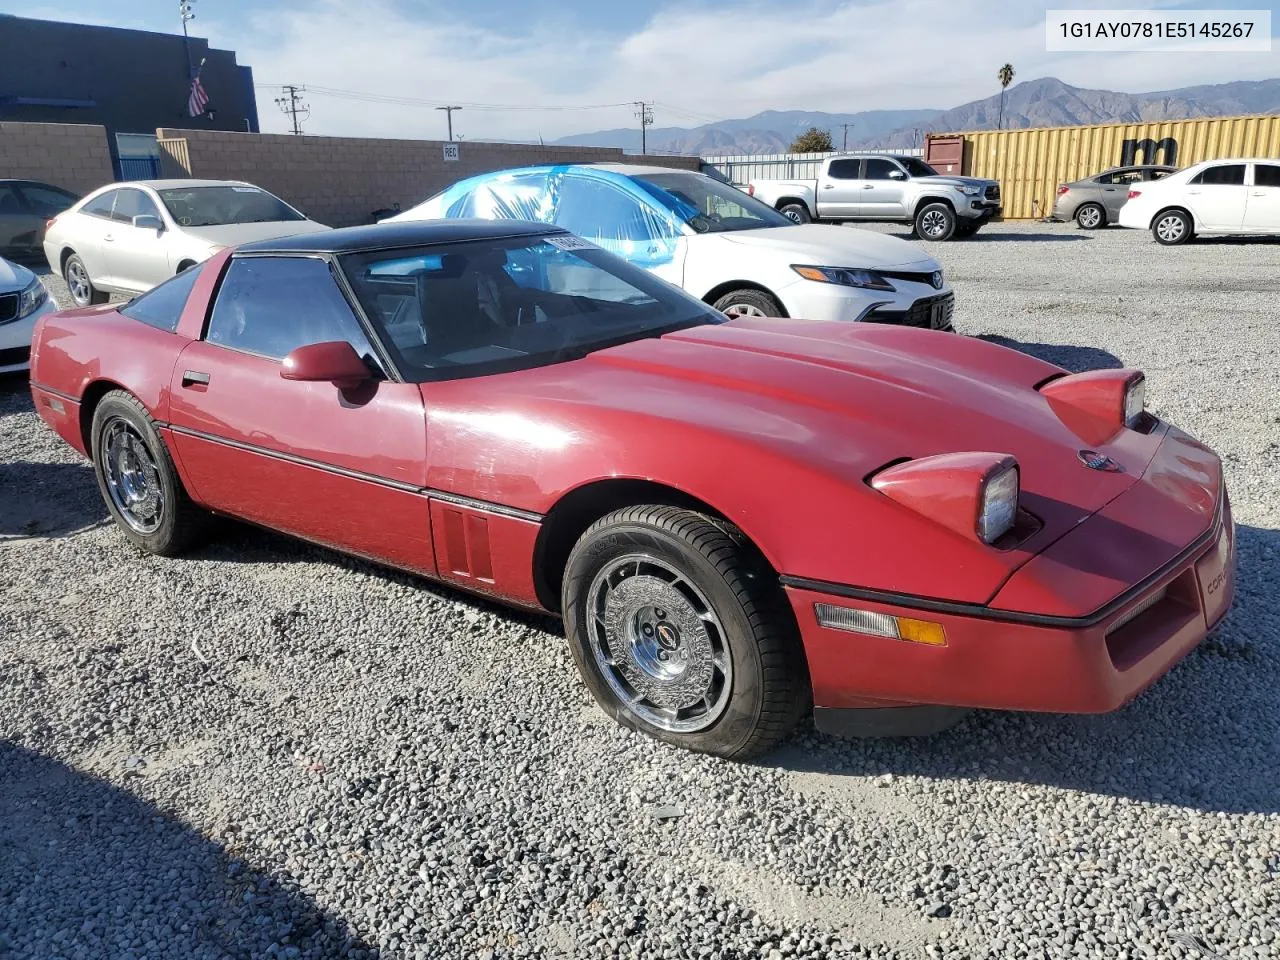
pixel 709 206
pixel 917 167
pixel 491 306
pixel 213 206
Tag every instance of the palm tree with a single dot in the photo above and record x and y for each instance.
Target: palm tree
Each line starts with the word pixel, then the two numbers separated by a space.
pixel 1005 76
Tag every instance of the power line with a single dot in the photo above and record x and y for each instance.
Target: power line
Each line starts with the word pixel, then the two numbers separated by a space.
pixel 644 113
pixel 364 97
pixel 291 105
pixel 449 113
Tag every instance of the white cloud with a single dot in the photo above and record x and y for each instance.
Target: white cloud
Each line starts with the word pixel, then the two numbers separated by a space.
pixel 838 55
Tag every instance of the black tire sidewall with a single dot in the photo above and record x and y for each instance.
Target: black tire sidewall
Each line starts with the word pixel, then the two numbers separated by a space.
pixel 757 298
pixel 1186 228
pixel 950 214
pixel 803 213
pixel 120 405
pixel 735 726
pixel 1102 218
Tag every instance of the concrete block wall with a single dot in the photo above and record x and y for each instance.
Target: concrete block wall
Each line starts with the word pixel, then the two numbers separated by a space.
pixel 73 156
pixel 340 181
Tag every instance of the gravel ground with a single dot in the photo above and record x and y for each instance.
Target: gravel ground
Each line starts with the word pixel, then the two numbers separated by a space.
pixel 268 750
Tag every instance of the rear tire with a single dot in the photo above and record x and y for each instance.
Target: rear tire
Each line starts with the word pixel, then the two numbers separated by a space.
pixel 796 212
pixel 1172 227
pixel 680 632
pixel 936 221
pixel 137 479
pixel 749 302
pixel 79 283
pixel 1091 216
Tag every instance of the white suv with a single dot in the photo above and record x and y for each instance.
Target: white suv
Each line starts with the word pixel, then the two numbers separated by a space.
pixel 1213 197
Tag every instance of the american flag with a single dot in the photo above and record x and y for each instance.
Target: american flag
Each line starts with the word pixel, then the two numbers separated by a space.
pixel 198 101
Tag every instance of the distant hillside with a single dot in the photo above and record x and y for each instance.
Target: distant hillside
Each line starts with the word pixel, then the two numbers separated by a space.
pixel 1051 103
pixel 768 132
pixel 1045 102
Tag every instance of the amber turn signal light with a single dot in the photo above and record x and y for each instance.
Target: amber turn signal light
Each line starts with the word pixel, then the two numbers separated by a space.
pixel 880 624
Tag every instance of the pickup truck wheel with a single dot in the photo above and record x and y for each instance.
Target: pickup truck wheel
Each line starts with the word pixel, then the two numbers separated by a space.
pixel 796 212
pixel 936 221
pixel 746 302
pixel 678 631
pixel 1091 216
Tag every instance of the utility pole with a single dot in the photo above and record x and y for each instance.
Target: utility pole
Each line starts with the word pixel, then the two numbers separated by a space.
pixel 846 134
pixel 188 14
pixel 292 106
pixel 644 111
pixel 449 112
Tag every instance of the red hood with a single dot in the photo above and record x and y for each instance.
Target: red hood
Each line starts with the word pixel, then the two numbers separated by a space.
pixel 860 396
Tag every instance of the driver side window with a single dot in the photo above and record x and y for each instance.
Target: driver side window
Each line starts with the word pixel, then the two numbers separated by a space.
pixel 269 306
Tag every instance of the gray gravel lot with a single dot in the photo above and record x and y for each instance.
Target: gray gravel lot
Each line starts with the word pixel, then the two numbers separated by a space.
pixel 267 750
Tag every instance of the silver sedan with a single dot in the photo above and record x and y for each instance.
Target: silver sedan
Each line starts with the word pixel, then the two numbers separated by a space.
pixel 1096 201
pixel 128 237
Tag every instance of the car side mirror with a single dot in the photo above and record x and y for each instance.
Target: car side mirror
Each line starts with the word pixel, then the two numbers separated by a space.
pixel 897 175
pixel 334 361
pixel 147 221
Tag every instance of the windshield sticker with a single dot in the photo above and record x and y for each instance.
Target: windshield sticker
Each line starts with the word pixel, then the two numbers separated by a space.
pixel 570 242
pixel 246 189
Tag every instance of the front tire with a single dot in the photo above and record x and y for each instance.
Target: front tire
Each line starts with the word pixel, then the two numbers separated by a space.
pixel 936 221
pixel 748 302
pixel 79 284
pixel 137 479
pixel 1091 216
pixel 1172 228
pixel 795 212
pixel 679 631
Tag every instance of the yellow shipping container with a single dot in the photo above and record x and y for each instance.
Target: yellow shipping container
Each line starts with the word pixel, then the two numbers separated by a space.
pixel 1031 163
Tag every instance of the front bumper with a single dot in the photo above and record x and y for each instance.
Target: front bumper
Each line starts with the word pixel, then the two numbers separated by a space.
pixel 15 339
pixel 1006 660
pixel 979 209
pixel 912 304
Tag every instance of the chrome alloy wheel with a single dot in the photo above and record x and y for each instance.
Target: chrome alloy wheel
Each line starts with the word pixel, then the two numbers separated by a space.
pixel 133 479
pixel 1090 217
pixel 1170 228
pixel 78 282
pixel 933 223
pixel 793 216
pixel 658 644
pixel 743 310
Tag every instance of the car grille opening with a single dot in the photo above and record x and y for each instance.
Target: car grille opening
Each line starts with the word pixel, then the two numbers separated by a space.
pixel 1145 625
pixel 8 307
pixel 993 192
pixel 923 313
pixel 14 355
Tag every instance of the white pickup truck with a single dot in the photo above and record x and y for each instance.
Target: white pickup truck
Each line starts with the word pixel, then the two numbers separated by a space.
pixel 885 188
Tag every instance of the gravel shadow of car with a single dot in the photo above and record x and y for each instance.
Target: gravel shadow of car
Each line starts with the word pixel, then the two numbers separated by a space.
pixel 1075 358
pixel 1205 736
pixel 87 869
pixel 48 500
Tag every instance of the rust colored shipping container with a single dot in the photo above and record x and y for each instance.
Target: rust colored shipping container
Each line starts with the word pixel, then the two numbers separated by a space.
pixel 1031 163
pixel 945 154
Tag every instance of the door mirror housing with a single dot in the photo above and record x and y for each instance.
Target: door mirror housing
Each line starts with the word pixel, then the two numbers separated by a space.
pixel 335 361
pixel 148 221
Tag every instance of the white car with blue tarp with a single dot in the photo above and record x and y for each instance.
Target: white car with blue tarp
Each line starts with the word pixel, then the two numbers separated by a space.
pixel 714 241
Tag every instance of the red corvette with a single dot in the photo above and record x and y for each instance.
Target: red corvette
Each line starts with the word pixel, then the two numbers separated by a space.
pixel 737 519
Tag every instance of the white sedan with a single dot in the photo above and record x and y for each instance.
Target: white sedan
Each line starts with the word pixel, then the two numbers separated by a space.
pixel 1213 197
pixel 23 300
pixel 722 246
pixel 128 237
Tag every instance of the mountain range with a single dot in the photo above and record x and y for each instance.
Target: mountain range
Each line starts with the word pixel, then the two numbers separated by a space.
pixel 1045 102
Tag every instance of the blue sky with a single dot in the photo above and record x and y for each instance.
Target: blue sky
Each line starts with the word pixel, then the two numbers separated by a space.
pixel 696 59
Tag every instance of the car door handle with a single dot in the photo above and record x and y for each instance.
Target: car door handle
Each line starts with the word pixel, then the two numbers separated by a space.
pixel 1259 193
pixel 868 186
pixel 1195 193
pixel 108 238
pixel 828 186
pixel 191 377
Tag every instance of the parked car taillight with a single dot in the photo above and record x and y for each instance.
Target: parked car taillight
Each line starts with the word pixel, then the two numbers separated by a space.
pixel 1062 188
pixel 1134 193
pixel 48 224
pixel 751 189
